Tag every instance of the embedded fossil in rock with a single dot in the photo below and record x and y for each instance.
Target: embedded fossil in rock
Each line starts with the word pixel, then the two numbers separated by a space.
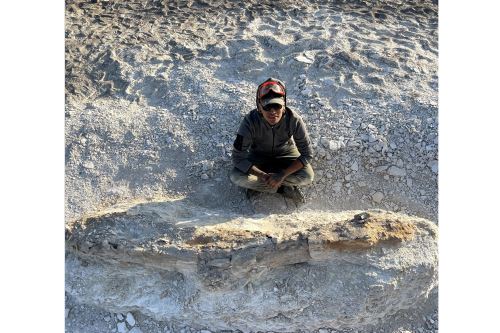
pixel 175 261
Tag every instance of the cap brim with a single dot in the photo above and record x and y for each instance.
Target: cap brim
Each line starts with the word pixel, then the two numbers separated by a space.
pixel 274 100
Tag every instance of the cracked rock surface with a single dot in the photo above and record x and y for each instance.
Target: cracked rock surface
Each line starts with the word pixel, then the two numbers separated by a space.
pixel 179 262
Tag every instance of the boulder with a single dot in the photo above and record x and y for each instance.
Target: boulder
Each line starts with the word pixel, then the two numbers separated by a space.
pixel 214 270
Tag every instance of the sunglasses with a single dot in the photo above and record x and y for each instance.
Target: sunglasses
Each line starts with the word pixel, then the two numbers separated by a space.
pixel 270 107
pixel 271 86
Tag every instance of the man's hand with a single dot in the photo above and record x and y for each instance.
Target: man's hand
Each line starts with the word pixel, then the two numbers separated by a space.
pixel 275 179
pixel 263 176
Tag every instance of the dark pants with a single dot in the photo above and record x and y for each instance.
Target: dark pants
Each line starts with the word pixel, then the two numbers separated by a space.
pixel 303 176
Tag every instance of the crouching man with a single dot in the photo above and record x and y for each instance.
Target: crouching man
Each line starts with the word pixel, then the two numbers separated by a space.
pixel 272 150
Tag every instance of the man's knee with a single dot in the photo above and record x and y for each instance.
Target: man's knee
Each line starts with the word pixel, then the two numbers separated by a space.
pixel 304 176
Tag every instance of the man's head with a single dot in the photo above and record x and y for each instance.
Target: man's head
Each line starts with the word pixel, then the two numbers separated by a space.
pixel 271 100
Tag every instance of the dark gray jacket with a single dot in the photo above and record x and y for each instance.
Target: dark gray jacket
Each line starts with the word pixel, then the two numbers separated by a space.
pixel 256 136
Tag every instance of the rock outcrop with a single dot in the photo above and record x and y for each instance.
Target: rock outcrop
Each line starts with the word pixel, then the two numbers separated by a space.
pixel 209 269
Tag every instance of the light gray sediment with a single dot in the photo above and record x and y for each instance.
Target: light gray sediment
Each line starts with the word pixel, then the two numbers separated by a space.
pixel 281 273
pixel 155 92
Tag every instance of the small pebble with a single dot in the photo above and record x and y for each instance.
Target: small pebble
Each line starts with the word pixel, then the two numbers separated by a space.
pixel 122 327
pixel 88 165
pixel 377 197
pixel 130 319
pixel 396 171
pixel 434 166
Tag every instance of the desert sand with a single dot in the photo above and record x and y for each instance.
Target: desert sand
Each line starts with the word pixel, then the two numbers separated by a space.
pixel 155 91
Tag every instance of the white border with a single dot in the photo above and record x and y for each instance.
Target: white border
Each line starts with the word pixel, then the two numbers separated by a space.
pixel 468 166
pixel 32 166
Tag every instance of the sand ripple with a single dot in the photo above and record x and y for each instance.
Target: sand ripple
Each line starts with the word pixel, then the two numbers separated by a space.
pixel 113 47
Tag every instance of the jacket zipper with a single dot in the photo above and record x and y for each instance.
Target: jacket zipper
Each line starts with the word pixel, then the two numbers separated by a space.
pixel 272 149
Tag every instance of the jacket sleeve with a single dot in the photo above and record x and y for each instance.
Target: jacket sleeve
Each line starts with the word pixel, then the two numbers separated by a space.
pixel 303 142
pixel 241 147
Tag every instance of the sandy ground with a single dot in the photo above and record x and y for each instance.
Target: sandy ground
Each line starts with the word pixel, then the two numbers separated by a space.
pixel 155 91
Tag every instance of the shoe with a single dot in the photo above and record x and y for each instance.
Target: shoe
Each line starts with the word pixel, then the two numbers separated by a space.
pixel 294 193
